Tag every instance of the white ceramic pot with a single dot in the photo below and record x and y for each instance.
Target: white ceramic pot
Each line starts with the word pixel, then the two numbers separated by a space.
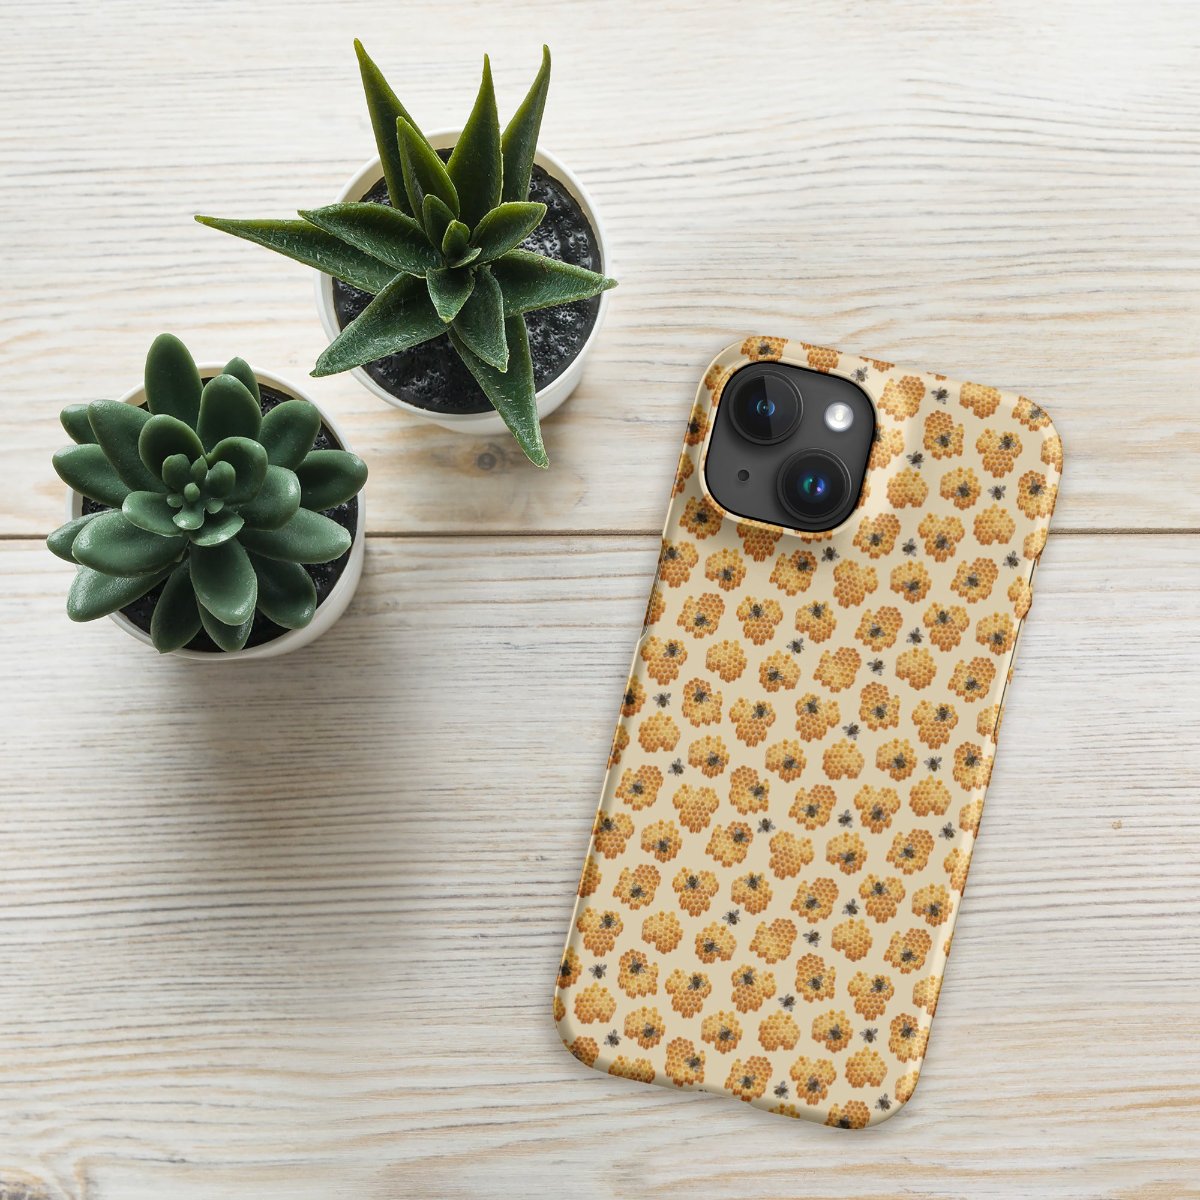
pixel 557 390
pixel 327 612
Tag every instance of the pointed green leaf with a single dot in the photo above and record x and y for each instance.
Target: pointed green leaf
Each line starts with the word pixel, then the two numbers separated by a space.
pixel 288 431
pixel 94 594
pixel 512 392
pixel 506 226
pixel 286 593
pixel 382 232
pixel 308 537
pixel 228 637
pixel 88 471
pixel 424 172
pixel 456 241
pixel 113 544
pixel 219 528
pixel 449 289
pixel 151 512
pixel 227 410
pixel 436 218
pixel 330 477
pixel 117 428
pixel 481 322
pixel 385 109
pixel 304 242
pixel 277 500
pixel 75 421
pixel 400 317
pixel 249 462
pixel 172 381
pixel 164 437
pixel 224 580
pixel 521 134
pixel 63 538
pixel 532 281
pixel 176 617
pixel 476 165
pixel 239 368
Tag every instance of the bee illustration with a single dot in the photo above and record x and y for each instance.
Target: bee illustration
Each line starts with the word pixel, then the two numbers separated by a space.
pixel 947 831
pixel 847 818
pixel 860 374
pixel 733 916
pixel 851 730
pixel 829 554
pixel 812 937
pixel 662 699
pixel 917 459
pixel 997 492
pixel 598 971
pixel 915 637
pixel 909 547
pixel 613 1039
pixel 940 394
pixel 766 825
pixel 677 767
pixel 870 1034
pixel 933 763
pixel 796 645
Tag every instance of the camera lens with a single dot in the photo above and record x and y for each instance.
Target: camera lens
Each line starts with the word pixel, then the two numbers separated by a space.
pixel 765 406
pixel 815 488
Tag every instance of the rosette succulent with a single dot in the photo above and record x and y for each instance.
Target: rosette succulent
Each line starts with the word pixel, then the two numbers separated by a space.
pixel 201 492
pixel 444 255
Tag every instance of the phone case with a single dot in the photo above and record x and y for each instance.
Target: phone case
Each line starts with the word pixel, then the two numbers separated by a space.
pixel 798 773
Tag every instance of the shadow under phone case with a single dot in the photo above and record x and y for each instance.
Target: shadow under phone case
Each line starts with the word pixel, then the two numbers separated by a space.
pixel 798 774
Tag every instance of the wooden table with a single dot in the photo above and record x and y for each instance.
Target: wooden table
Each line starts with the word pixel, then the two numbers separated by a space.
pixel 288 932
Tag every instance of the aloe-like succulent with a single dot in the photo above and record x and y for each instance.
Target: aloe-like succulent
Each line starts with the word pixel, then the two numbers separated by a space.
pixel 205 495
pixel 444 257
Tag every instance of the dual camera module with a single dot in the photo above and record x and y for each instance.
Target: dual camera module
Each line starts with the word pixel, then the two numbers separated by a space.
pixel 789 446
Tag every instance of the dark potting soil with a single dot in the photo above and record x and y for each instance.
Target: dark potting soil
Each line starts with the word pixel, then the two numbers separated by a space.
pixel 324 575
pixel 431 375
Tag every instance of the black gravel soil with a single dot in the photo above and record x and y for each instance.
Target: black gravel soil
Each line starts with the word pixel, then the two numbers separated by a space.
pixel 432 376
pixel 324 575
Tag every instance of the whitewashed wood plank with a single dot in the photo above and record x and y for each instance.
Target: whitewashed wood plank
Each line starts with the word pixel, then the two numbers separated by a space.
pixel 289 932
pixel 1001 192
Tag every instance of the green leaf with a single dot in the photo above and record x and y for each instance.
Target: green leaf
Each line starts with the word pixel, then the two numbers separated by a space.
pixel 400 317
pixel 506 226
pixel 329 477
pixel 304 242
pixel 286 593
pixel 436 218
pixel 249 462
pixel 456 242
pixel 512 392
pixel 224 580
pixel 63 538
pixel 476 165
pixel 117 428
pixel 449 289
pixel 151 512
pixel 94 594
pixel 239 368
pixel 532 281
pixel 480 324
pixel 87 470
pixel 308 537
pixel 288 431
pixel 385 109
pixel 218 528
pixel 176 617
pixel 521 134
pixel 113 544
pixel 227 410
pixel 172 381
pixel 277 500
pixel 164 438
pixel 228 637
pixel 75 421
pixel 424 172
pixel 382 232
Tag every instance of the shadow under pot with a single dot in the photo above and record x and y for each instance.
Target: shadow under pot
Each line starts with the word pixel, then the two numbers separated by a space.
pixel 335 582
pixel 430 381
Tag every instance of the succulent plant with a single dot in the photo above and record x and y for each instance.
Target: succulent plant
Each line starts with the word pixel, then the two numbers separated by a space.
pixel 204 494
pixel 444 256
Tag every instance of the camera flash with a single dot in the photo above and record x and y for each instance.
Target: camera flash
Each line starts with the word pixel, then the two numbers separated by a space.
pixel 839 417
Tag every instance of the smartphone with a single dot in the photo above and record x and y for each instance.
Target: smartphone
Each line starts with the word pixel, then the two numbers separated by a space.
pixel 806 736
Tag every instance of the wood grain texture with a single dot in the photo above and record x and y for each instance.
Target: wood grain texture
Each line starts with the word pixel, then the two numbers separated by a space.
pixel 299 943
pixel 1003 192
